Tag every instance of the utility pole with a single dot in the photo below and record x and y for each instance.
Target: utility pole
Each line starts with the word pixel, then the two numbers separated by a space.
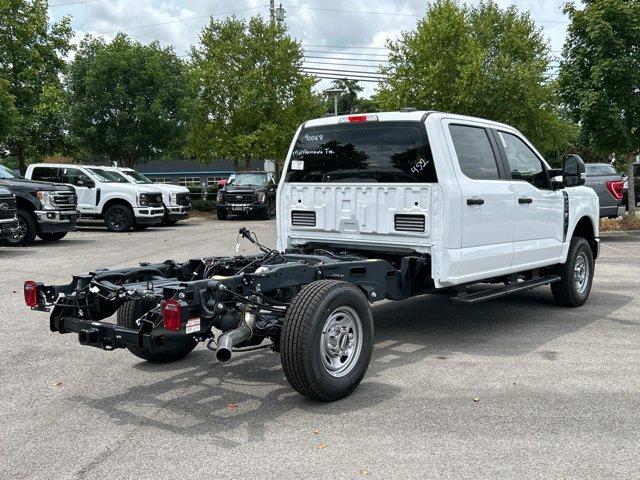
pixel 272 11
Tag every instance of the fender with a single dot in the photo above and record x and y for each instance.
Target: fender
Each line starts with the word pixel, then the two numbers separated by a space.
pixel 116 196
pixel 28 198
pixel 583 203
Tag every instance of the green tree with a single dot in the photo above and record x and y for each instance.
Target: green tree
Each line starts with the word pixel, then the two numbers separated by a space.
pixel 8 112
pixel 31 61
pixel 127 99
pixel 600 77
pixel 349 101
pixel 482 61
pixel 251 92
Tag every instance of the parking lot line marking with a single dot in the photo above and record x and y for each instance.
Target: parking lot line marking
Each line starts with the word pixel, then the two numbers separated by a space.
pixel 620 251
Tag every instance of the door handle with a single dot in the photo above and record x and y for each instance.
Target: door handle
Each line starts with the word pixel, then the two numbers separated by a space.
pixel 475 201
pixel 525 200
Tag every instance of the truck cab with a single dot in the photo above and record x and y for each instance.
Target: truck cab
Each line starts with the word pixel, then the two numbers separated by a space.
pixel 122 205
pixel 472 195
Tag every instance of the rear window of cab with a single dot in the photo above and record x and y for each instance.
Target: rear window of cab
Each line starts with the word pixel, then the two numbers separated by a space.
pixel 386 152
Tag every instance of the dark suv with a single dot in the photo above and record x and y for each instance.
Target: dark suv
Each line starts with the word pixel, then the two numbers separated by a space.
pixel 46 210
pixel 8 221
pixel 248 193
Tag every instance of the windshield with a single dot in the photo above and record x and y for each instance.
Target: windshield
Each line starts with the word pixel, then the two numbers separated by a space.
pixel 390 152
pixel 107 177
pixel 600 169
pixel 137 177
pixel 5 173
pixel 249 179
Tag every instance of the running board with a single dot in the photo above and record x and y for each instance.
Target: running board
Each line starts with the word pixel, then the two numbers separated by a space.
pixel 513 287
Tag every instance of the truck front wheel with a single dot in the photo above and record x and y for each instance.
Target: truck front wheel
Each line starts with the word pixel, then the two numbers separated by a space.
pixel 27 230
pixel 221 214
pixel 130 312
pixel 576 275
pixel 53 236
pixel 118 218
pixel 327 340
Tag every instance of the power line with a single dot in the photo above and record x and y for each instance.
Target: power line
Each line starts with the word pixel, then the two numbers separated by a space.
pixel 347 59
pixel 346 53
pixel 397 14
pixel 72 3
pixel 342 78
pixel 345 46
pixel 343 64
pixel 346 71
pixel 180 20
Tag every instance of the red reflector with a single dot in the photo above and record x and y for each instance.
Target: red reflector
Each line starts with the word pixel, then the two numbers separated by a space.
pixel 171 314
pixel 616 188
pixel 31 293
pixel 357 118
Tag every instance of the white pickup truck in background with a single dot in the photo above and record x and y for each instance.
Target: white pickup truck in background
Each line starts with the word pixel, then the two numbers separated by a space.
pixel 175 198
pixel 121 204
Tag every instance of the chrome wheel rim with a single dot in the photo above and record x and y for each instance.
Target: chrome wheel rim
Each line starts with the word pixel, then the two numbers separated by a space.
pixel 341 341
pixel 581 273
pixel 21 232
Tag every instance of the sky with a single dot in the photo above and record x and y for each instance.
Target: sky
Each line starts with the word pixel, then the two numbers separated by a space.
pixel 334 33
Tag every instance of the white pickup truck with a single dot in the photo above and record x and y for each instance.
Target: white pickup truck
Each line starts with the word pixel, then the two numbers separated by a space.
pixel 370 207
pixel 121 204
pixel 175 198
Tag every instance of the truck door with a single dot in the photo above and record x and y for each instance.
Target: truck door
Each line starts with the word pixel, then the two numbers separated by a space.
pixel 488 205
pixel 539 225
pixel 85 188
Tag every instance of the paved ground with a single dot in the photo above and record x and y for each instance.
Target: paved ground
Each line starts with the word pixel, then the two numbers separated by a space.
pixel 558 390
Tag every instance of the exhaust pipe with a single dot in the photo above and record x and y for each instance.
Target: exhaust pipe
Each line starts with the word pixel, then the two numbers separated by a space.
pixel 230 339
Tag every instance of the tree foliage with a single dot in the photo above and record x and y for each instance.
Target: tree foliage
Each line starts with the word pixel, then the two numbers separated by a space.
pixel 482 61
pixel 127 99
pixel 8 112
pixel 600 76
pixel 251 92
pixel 31 60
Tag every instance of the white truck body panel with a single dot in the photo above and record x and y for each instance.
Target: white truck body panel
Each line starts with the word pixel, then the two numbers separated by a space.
pixel 467 243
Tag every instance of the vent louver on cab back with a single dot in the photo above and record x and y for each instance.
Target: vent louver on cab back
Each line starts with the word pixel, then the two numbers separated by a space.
pixel 303 218
pixel 409 223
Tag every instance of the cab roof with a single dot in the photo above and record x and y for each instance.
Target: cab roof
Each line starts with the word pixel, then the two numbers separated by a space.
pixel 400 116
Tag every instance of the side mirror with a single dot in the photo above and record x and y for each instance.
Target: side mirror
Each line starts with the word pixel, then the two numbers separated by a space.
pixel 573 171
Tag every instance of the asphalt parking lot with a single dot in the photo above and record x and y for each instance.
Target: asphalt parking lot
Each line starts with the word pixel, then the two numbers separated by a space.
pixel 515 388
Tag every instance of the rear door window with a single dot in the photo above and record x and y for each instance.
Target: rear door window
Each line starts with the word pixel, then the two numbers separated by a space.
pixel 74 176
pixel 476 157
pixel 46 174
pixel 389 152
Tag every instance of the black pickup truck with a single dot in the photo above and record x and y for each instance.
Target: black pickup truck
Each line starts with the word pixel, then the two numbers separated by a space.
pixel 248 193
pixel 8 221
pixel 46 210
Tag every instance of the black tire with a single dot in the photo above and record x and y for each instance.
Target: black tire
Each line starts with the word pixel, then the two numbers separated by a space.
pixel 119 218
pixel 52 237
pixel 221 214
pixel 140 228
pixel 302 340
pixel 569 291
pixel 170 223
pixel 265 214
pixel 27 230
pixel 128 314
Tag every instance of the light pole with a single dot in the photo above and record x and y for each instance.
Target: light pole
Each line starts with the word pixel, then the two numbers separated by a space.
pixel 336 92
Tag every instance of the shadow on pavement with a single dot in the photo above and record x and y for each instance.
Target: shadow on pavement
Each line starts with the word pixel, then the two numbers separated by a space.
pixel 200 394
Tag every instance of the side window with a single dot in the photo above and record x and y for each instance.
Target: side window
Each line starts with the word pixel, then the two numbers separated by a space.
pixel 523 163
pixel 45 174
pixel 475 155
pixel 74 177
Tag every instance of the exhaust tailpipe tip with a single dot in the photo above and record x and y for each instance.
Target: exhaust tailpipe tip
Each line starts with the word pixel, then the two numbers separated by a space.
pixel 223 355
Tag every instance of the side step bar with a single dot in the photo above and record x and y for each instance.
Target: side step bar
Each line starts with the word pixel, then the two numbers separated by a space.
pixel 511 287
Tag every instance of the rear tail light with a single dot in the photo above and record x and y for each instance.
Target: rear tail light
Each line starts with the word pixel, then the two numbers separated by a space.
pixel 31 293
pixel 616 188
pixel 172 314
pixel 359 118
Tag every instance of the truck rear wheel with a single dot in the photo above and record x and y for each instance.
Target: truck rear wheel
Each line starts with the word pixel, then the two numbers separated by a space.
pixel 576 275
pixel 327 340
pixel 119 218
pixel 221 214
pixel 128 314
